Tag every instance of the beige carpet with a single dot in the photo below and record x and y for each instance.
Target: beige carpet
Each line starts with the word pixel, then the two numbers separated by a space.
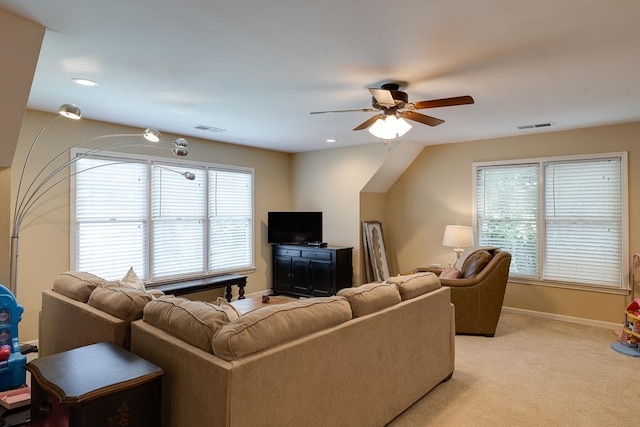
pixel 535 372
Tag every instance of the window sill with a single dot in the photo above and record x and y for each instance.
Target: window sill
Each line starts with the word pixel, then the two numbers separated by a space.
pixel 571 286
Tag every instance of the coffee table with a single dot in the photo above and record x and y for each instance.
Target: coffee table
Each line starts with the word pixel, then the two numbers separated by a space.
pixel 249 304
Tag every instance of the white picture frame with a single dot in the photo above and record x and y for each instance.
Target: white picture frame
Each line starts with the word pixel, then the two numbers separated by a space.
pixel 376 253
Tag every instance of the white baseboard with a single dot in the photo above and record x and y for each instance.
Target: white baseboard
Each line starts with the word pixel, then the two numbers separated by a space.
pixel 563 318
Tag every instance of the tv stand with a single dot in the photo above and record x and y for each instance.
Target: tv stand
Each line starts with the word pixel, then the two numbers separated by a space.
pixel 310 271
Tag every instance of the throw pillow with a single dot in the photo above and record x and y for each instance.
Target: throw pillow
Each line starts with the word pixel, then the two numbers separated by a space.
pixel 131 279
pixel 76 285
pixel 371 297
pixel 228 308
pixel 450 272
pixel 413 285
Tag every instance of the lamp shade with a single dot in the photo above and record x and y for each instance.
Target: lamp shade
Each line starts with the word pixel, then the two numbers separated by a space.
pixel 70 111
pixel 390 127
pixel 458 236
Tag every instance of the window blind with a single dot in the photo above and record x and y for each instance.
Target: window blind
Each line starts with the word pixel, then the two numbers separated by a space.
pixel 178 209
pixel 583 213
pixel 230 220
pixel 111 217
pixel 144 214
pixel 507 208
pixel 562 219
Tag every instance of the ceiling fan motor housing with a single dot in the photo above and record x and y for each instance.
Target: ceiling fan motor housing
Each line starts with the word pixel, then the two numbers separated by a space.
pixel 399 97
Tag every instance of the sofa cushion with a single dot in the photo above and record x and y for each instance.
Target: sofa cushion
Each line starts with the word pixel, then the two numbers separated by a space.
pixel 413 285
pixel 77 285
pixel 370 297
pixel 275 324
pixel 195 322
pixel 121 302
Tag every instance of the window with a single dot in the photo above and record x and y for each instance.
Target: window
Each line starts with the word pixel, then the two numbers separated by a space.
pixel 562 219
pixel 144 213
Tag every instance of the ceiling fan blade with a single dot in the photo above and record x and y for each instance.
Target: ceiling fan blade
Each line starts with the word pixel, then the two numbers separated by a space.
pixel 444 102
pixel 422 118
pixel 383 97
pixel 369 122
pixel 366 110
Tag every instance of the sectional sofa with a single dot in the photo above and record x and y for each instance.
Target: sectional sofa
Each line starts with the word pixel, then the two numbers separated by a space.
pixel 356 359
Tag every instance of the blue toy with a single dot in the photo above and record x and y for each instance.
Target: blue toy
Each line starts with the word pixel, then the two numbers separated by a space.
pixel 12 361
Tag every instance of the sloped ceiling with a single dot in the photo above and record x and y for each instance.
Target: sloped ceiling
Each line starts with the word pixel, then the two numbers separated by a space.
pixel 256 69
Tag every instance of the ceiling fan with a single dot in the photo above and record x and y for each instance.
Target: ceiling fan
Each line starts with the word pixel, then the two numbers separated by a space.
pixel 393 105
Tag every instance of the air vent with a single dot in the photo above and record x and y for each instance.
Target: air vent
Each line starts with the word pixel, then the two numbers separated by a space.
pixel 539 125
pixel 210 129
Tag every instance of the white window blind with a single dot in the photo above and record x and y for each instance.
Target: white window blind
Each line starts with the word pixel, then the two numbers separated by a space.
pixel 230 219
pixel 583 221
pixel 111 217
pixel 145 214
pixel 563 220
pixel 507 206
pixel 178 215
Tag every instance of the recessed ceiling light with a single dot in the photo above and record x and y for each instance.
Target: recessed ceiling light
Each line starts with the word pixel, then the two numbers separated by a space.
pixel 84 82
pixel 332 140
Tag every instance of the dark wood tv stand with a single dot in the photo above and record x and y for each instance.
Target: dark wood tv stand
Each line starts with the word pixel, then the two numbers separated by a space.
pixel 311 271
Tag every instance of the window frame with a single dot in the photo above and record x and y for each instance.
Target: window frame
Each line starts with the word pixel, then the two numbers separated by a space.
pixel 166 162
pixel 623 287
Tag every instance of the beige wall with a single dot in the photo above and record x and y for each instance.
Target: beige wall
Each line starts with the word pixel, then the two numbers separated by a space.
pixel 436 190
pixel 20 42
pixel 5 208
pixel 44 237
pixel 330 181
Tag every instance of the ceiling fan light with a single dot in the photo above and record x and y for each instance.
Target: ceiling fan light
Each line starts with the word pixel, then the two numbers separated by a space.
pixel 402 127
pixel 380 129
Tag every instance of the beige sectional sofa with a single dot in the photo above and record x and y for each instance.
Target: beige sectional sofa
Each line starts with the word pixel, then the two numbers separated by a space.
pixel 356 359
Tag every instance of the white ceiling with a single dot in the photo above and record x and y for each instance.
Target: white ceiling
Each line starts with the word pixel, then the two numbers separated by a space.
pixel 258 68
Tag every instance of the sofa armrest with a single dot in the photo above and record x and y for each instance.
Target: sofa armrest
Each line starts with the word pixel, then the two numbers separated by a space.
pixel 66 324
pixel 435 270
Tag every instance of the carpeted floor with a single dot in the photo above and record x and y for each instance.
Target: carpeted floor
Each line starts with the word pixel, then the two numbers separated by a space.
pixel 535 372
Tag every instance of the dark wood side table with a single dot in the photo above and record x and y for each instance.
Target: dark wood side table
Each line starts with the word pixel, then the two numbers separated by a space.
pixel 97 385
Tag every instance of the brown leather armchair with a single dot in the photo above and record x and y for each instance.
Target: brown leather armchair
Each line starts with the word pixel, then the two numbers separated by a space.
pixel 479 293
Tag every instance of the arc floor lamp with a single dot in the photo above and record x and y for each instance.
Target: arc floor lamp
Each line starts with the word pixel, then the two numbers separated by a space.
pixel 53 173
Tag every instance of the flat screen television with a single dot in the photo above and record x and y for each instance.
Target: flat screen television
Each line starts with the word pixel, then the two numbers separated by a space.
pixel 294 227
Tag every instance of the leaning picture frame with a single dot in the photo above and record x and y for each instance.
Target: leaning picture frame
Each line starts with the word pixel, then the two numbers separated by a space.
pixel 376 253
